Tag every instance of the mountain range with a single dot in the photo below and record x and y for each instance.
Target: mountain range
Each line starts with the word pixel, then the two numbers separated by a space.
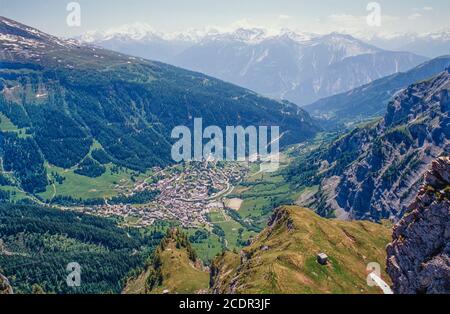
pixel 371 100
pixel 70 105
pixel 80 118
pixel 431 44
pixel 299 67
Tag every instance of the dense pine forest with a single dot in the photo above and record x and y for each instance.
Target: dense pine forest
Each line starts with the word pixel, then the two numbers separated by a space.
pixel 38 243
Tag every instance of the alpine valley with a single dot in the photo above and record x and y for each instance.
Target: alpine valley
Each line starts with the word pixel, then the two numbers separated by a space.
pixel 87 176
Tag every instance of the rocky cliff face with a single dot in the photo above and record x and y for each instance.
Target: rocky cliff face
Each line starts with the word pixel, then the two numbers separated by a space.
pixel 419 256
pixel 5 287
pixel 375 171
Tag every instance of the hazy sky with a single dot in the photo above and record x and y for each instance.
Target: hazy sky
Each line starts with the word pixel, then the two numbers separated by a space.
pixel 319 16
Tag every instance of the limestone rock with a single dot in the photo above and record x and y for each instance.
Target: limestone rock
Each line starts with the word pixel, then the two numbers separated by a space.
pixel 419 257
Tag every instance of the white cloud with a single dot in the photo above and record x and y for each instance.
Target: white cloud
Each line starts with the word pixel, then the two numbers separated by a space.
pixel 347 20
pixel 351 23
pixel 414 16
pixel 284 17
pixel 428 8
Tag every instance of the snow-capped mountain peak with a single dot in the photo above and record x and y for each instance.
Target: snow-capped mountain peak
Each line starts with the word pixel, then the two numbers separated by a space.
pixel 243 35
pixel 134 32
pixel 296 36
pixel 250 35
pixel 284 63
pixel 143 31
pixel 443 35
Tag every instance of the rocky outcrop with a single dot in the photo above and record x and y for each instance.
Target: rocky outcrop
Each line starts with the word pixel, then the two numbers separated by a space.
pixel 5 287
pixel 379 167
pixel 283 257
pixel 419 256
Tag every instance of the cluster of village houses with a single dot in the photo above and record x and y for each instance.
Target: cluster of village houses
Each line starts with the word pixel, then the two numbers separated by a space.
pixel 186 195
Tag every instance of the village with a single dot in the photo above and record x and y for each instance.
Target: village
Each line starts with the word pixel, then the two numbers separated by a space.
pixel 187 193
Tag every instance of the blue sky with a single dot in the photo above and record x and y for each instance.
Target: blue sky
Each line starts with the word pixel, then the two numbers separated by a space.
pixel 320 16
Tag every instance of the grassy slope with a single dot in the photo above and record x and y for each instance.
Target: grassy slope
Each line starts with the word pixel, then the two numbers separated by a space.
pixel 179 273
pixel 259 190
pixel 83 187
pixel 74 185
pixel 208 248
pixel 289 265
pixel 7 126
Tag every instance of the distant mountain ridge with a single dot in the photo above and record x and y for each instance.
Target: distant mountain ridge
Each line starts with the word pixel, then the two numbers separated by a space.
pixel 369 101
pixel 431 44
pixel 299 67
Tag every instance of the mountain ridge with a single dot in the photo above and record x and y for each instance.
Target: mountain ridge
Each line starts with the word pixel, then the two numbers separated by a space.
pixel 283 257
pixel 172 269
pixel 253 57
pixel 371 100
pixel 110 104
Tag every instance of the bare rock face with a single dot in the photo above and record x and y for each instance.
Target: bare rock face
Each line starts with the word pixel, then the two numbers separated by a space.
pixel 5 287
pixel 375 171
pixel 418 259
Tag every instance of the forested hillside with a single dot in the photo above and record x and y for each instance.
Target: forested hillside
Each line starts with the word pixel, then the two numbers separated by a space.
pixel 63 103
pixel 37 244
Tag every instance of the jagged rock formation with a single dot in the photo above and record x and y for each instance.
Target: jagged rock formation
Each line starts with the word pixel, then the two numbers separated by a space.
pixel 283 257
pixel 419 256
pixel 386 177
pixel 5 287
pixel 375 171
